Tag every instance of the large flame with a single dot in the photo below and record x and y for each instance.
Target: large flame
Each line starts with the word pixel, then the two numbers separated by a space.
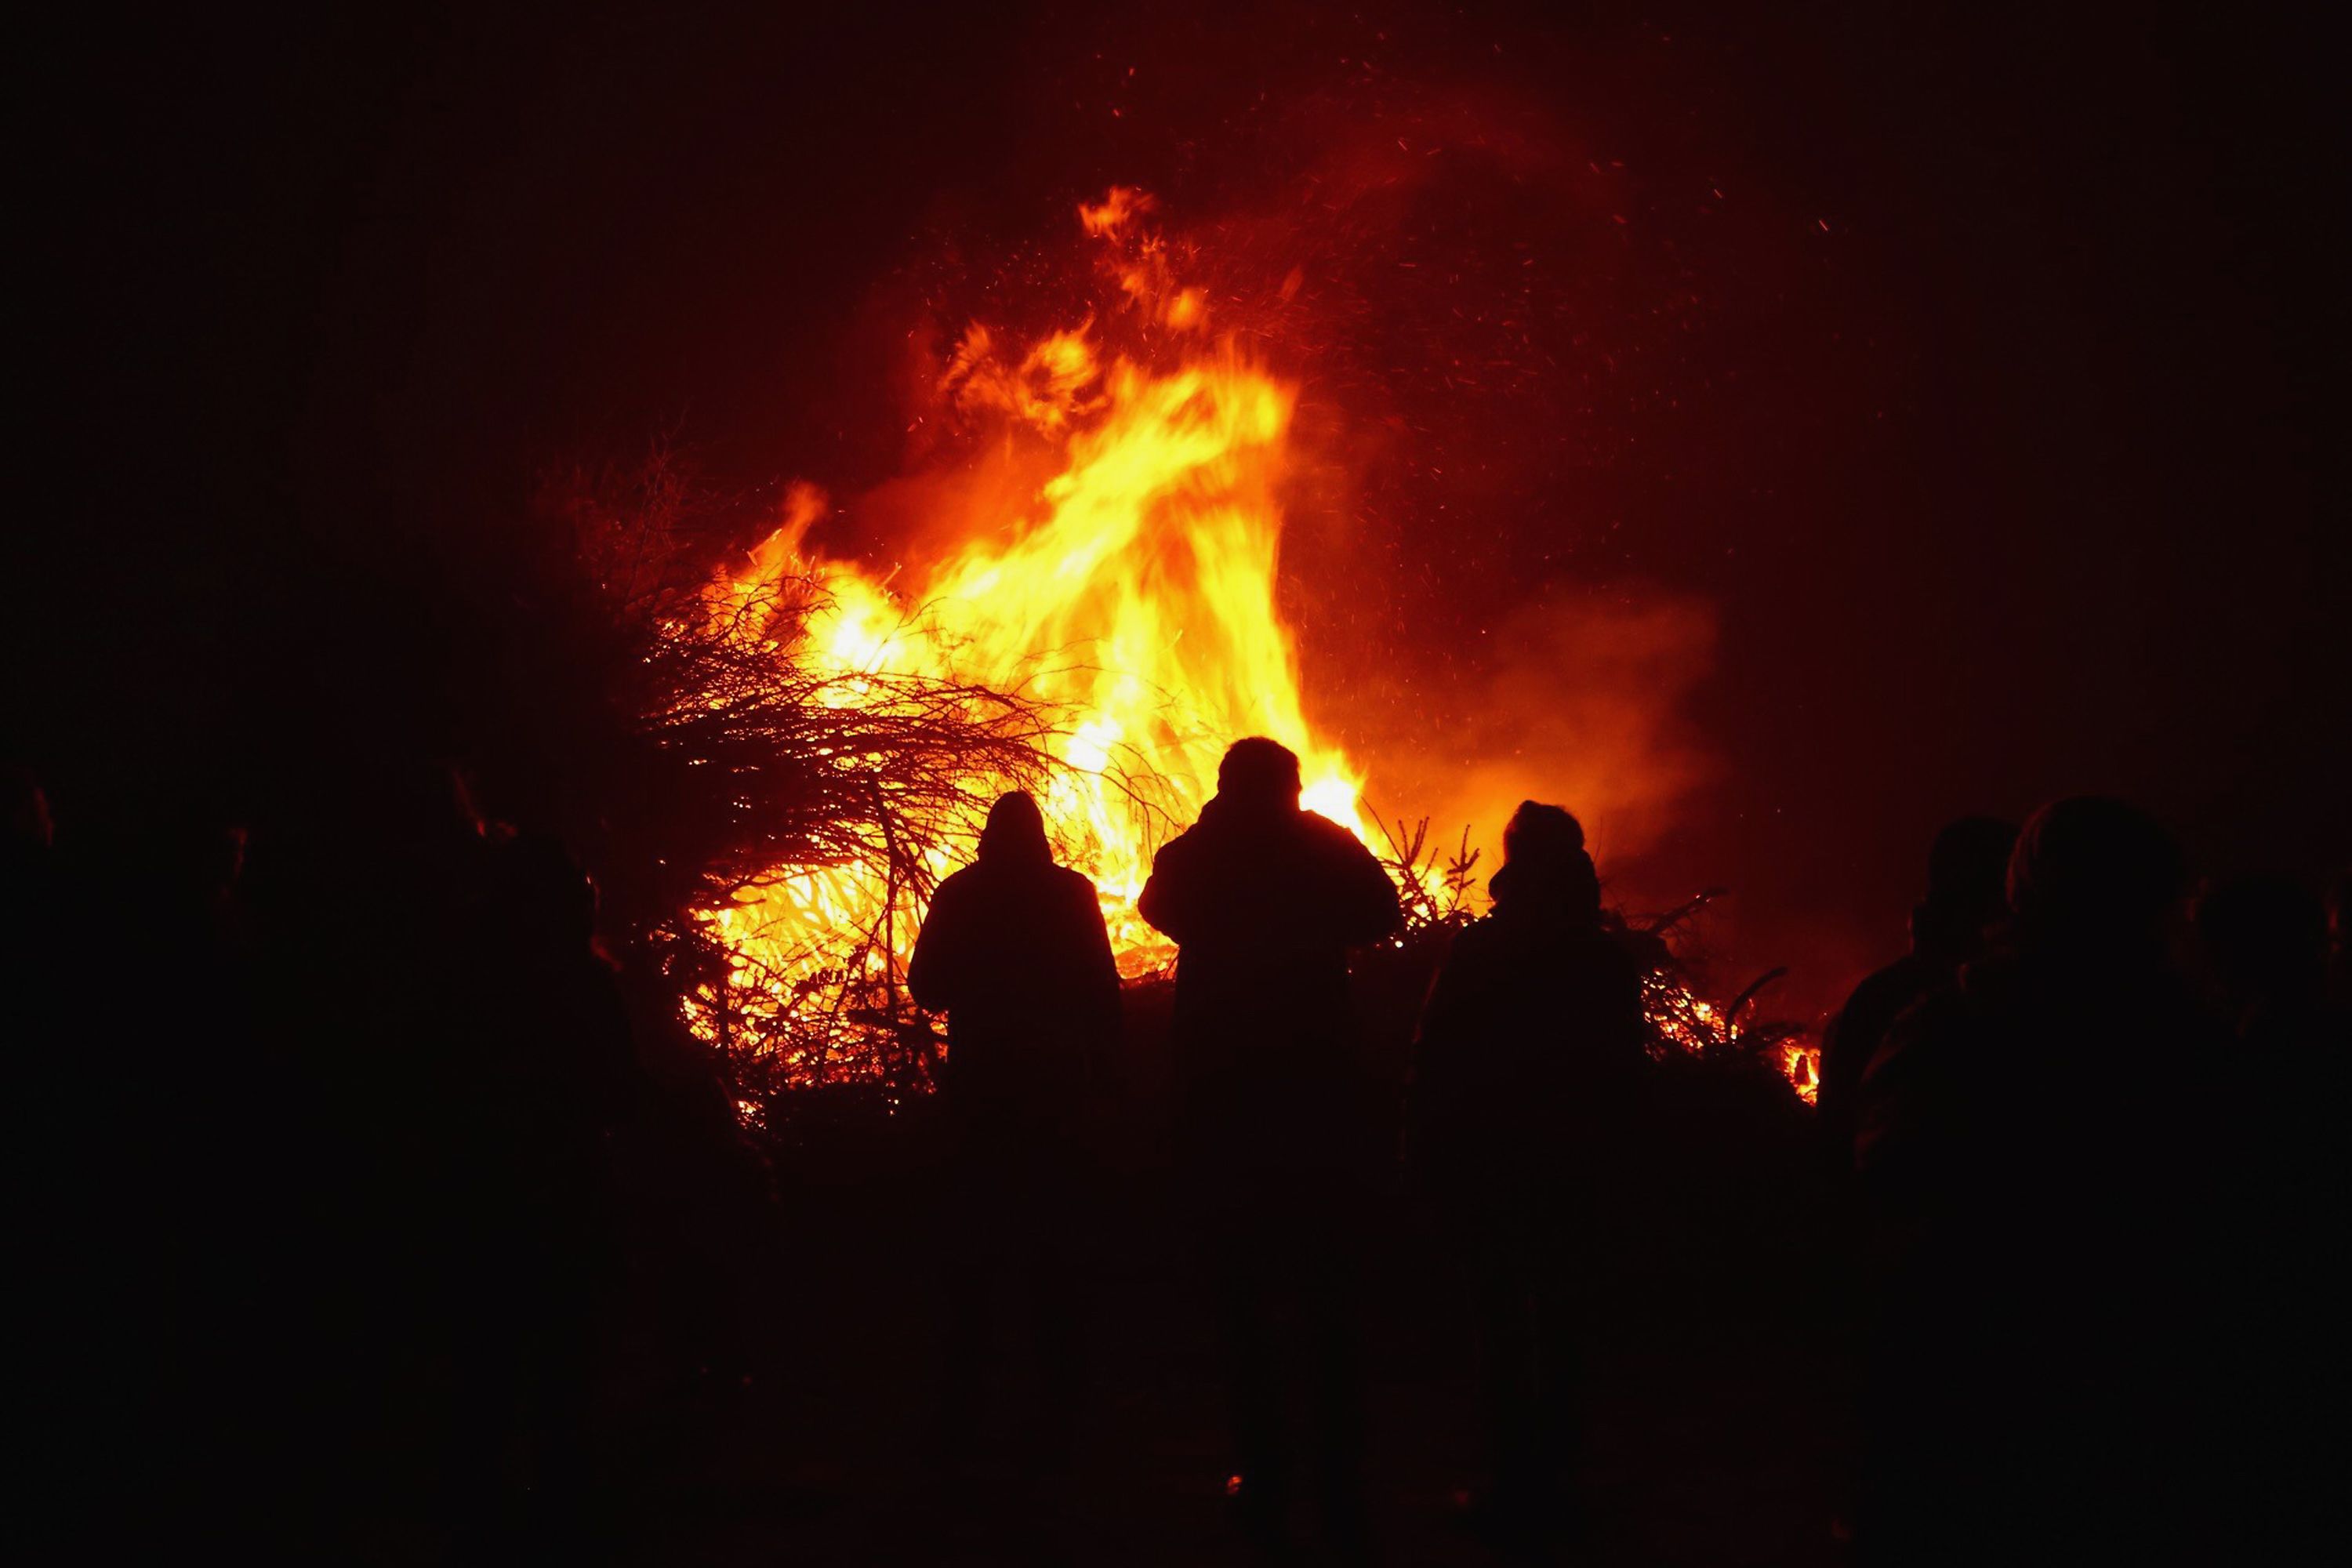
pixel 1133 594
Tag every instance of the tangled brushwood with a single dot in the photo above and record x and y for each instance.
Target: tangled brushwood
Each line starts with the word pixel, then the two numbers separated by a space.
pixel 768 781
pixel 815 785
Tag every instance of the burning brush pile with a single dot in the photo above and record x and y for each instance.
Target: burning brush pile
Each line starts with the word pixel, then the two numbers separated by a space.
pixel 1097 622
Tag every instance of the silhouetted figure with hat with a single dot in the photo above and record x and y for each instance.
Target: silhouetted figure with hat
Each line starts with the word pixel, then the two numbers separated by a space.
pixel 2030 1155
pixel 1967 871
pixel 1015 951
pixel 1530 1081
pixel 1281 1128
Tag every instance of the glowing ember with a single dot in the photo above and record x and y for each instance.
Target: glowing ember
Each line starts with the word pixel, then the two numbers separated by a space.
pixel 1683 1019
pixel 1801 1063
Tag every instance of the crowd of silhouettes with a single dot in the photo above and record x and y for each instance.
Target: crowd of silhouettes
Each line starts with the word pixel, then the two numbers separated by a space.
pixel 348 1145
pixel 2091 1156
pixel 2084 1172
pixel 2031 1189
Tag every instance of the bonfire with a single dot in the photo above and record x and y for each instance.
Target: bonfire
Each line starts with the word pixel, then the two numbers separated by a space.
pixel 1100 622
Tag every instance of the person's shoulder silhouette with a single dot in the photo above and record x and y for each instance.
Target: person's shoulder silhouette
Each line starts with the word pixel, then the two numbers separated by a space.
pixel 2264 942
pixel 1256 866
pixel 1966 894
pixel 2040 1148
pixel 1265 900
pixel 1534 1020
pixel 2054 1047
pixel 1544 944
pixel 1015 951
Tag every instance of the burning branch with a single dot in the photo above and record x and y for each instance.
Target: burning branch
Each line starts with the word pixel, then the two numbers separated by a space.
pixel 801 813
pixel 842 797
pixel 1680 1018
pixel 1433 886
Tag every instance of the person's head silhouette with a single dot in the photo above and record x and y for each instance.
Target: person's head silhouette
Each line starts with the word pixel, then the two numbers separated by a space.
pixel 2265 939
pixel 1967 873
pixel 1545 864
pixel 2090 872
pixel 1259 776
pixel 1015 834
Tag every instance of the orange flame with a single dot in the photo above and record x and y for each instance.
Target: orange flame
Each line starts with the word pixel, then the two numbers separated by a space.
pixel 1133 594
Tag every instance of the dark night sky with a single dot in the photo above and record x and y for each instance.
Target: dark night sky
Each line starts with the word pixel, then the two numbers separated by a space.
pixel 1986 410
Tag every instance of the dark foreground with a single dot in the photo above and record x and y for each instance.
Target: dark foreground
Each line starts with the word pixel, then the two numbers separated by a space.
pixel 1716 1399
pixel 1713 1419
pixel 418 1237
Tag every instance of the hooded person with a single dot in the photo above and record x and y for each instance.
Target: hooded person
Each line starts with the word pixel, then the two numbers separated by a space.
pixel 1533 1034
pixel 1529 1076
pixel 1281 1129
pixel 1014 953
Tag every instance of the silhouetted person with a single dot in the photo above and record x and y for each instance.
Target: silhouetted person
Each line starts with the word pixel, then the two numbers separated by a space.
pixel 2032 1156
pixel 369 888
pixel 1015 951
pixel 1968 870
pixel 2264 941
pixel 2282 1089
pixel 1966 892
pixel 535 1116
pixel 1281 1128
pixel 1528 1085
